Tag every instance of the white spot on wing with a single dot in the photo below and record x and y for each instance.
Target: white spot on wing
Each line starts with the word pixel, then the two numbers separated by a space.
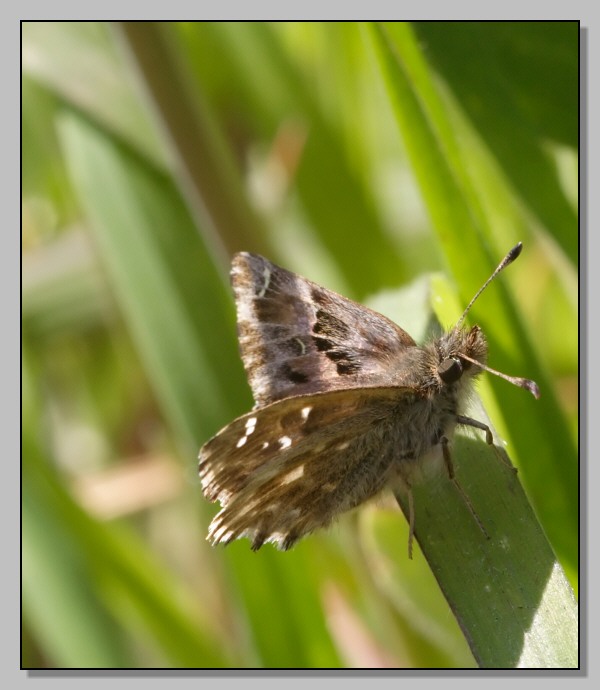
pixel 290 477
pixel 250 426
pixel 285 442
pixel 224 497
pixel 245 312
pixel 306 411
pixel 214 525
pixel 221 533
pixel 267 280
pixel 207 476
pixel 276 538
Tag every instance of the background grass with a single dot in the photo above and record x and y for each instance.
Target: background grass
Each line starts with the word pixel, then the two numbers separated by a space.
pixel 363 157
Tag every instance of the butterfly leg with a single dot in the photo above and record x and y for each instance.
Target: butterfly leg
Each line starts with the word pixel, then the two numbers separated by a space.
pixel 489 438
pixel 454 480
pixel 467 421
pixel 411 521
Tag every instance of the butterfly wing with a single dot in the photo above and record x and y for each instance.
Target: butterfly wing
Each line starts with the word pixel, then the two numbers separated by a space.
pixel 298 338
pixel 284 470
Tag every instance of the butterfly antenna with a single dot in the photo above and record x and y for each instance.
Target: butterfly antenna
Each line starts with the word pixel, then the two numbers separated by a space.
pixel 527 384
pixel 531 386
pixel 508 259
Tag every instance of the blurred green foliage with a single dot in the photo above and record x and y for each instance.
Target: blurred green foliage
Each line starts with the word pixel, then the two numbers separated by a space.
pixel 362 156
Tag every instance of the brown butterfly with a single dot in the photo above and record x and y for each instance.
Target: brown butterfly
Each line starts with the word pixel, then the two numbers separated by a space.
pixel 346 403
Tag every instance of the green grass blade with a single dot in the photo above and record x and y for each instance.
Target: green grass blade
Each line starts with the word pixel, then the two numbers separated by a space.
pixel 100 586
pixel 508 592
pixel 206 171
pixel 545 451
pixel 499 71
pixel 172 298
pixel 176 303
pixel 341 211
pixel 94 84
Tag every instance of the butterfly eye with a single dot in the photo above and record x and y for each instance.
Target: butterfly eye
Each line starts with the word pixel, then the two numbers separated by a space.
pixel 450 370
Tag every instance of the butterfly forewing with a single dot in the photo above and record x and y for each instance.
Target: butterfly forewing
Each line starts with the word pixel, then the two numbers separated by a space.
pixel 298 338
pixel 288 468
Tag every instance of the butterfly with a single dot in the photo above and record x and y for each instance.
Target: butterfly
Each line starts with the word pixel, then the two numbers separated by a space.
pixel 346 404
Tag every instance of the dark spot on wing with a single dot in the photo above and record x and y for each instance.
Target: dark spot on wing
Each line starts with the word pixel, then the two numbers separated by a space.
pixel 293 375
pixel 329 325
pixel 283 311
pixel 259 539
pixel 344 368
pixel 322 343
pixel 332 337
pixel 318 296
pixel 289 541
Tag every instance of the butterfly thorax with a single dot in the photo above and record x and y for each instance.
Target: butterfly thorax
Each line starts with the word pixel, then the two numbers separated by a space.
pixel 441 383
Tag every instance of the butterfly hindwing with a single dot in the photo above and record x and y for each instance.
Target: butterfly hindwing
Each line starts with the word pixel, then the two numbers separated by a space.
pixel 290 467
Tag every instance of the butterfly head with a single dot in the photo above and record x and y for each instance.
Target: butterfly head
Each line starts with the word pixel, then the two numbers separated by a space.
pixel 458 351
